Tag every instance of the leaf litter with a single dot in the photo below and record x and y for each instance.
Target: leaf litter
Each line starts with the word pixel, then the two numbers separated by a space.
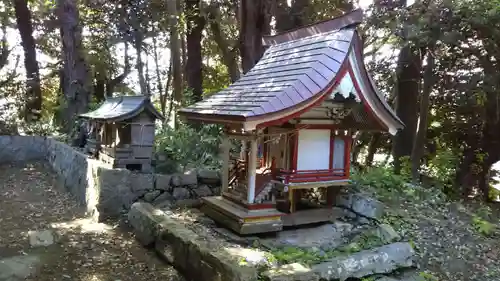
pixel 31 199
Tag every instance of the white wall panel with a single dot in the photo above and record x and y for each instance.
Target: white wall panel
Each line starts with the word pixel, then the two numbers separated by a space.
pixel 313 149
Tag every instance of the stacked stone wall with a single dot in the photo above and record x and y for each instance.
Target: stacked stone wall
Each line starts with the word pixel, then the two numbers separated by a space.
pixel 104 191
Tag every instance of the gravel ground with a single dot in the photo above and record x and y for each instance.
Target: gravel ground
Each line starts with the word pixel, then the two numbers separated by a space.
pixel 83 250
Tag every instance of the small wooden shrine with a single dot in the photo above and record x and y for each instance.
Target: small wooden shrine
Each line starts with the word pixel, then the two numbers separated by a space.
pixel 122 131
pixel 292 117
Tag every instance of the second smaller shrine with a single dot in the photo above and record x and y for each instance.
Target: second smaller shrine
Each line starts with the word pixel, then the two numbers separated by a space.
pixel 122 131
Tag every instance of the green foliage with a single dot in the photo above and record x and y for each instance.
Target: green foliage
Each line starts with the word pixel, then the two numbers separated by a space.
pixel 480 222
pixel 482 226
pixel 443 165
pixel 400 223
pixel 425 276
pixel 381 179
pixel 312 256
pixel 188 147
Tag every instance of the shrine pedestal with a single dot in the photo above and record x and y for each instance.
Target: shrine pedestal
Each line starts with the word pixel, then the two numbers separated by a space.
pixel 241 220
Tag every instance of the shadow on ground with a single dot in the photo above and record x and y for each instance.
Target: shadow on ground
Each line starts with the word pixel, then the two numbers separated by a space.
pixel 81 249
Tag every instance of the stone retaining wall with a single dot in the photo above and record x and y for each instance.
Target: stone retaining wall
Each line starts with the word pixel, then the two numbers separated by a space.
pixel 107 192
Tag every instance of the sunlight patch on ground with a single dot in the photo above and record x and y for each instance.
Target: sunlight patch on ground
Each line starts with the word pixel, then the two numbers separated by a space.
pixel 180 216
pixel 250 255
pixel 85 225
pixel 94 277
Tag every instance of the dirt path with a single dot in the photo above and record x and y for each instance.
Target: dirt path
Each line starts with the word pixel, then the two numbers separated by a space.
pixel 82 250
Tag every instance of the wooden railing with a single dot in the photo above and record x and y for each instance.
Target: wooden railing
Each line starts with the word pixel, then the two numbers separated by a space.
pixel 238 169
pixel 299 176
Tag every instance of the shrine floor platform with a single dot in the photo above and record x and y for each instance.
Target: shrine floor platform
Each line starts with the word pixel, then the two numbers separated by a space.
pixel 241 220
pixel 244 221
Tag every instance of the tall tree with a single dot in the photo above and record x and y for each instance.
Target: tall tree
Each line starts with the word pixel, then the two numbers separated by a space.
pixel 75 75
pixel 195 25
pixel 33 104
pixel 229 53
pixel 255 19
pixel 175 53
pixel 408 76
pixel 137 22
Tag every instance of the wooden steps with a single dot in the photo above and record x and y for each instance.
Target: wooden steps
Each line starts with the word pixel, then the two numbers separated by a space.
pixel 239 219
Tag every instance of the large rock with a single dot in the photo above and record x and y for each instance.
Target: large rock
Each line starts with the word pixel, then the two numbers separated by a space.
pixel 189 178
pixel 151 196
pixel 208 176
pixel 114 191
pixel 367 206
pixel 164 197
pixel 387 233
pixel 362 205
pixel 142 182
pixel 163 182
pixel 381 260
pixel 144 219
pixel 181 193
pixel 326 236
pixel 202 191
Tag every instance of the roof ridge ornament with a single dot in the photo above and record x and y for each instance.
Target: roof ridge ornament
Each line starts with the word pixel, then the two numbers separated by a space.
pixel 354 17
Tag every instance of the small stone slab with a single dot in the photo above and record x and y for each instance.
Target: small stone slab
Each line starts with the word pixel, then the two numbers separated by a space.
pixel 381 260
pixel 387 233
pixel 199 256
pixel 144 218
pixel 326 236
pixel 41 238
pixel 18 267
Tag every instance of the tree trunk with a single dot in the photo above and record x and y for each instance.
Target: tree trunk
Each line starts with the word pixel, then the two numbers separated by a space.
pixel 372 149
pixel 288 18
pixel 167 94
pixel 111 84
pixel 194 64
pixel 175 52
pixel 360 141
pixel 228 52
pixel 255 23
pixel 76 71
pixel 147 77
pixel 407 91
pixel 99 87
pixel 158 73
pixel 139 65
pixel 33 105
pixel 420 140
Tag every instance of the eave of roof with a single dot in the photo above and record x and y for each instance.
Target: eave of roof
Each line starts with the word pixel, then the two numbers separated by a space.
pixel 385 114
pixel 121 108
pixel 289 74
pixel 354 17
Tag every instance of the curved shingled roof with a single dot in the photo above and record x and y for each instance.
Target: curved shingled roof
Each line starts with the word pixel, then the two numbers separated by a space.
pixel 288 74
pixel 122 108
pixel 297 71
